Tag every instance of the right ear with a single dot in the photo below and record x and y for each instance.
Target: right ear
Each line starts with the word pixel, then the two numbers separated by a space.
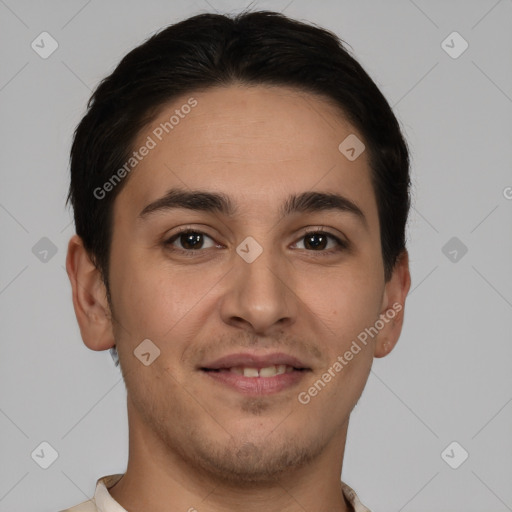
pixel 89 297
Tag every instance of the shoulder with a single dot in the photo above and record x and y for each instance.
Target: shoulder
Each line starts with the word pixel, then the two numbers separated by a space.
pixel 102 500
pixel 353 499
pixel 86 506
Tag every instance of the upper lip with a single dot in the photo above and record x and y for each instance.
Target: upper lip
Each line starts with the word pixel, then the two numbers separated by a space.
pixel 254 361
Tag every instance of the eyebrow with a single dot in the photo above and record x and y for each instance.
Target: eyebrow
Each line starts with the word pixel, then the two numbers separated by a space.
pixel 217 202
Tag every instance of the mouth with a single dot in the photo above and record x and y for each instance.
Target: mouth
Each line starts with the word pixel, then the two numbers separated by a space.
pixel 251 374
pixel 254 372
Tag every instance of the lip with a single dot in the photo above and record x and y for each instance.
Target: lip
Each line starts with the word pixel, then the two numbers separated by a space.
pixel 254 361
pixel 256 386
pixel 217 371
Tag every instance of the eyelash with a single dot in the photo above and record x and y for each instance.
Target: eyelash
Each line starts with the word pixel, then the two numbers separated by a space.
pixel 342 244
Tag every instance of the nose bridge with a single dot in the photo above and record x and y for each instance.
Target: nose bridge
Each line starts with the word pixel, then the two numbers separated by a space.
pixel 263 274
pixel 260 294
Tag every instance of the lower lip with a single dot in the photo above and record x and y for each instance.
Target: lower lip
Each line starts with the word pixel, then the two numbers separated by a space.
pixel 257 385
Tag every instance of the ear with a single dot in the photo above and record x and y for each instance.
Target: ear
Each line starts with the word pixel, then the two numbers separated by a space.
pixel 89 297
pixel 393 306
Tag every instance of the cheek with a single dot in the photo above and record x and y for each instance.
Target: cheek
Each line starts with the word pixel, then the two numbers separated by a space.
pixel 348 303
pixel 346 300
pixel 153 298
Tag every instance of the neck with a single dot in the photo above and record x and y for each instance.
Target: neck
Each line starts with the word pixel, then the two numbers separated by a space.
pixel 159 479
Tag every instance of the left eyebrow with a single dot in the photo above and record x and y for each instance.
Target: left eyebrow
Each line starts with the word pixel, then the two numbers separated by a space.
pixel 215 202
pixel 310 202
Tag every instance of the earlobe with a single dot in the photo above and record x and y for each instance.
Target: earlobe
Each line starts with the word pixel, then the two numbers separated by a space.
pixel 89 297
pixel 393 305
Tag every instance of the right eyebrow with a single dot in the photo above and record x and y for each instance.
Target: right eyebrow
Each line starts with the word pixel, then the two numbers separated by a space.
pixel 199 200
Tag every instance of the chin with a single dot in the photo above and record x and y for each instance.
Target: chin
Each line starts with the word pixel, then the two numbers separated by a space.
pixel 254 462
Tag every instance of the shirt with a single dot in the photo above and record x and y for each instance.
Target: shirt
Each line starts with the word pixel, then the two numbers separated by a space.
pixel 104 502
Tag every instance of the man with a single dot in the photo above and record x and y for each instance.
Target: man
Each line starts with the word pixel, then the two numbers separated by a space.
pixel 240 190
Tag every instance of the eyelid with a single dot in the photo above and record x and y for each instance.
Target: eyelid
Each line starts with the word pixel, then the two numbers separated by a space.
pixel 319 229
pixel 325 230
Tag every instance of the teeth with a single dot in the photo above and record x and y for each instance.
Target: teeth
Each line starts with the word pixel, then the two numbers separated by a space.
pixel 269 371
pixel 250 372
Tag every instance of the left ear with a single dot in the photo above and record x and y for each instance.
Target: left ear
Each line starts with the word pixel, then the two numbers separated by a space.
pixel 393 306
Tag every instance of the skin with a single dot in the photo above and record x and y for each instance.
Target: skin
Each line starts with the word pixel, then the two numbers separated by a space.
pixel 193 442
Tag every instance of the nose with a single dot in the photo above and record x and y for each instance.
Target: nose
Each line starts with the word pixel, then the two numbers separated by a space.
pixel 260 295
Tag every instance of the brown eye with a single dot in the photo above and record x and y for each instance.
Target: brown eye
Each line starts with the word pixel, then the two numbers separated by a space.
pixel 189 240
pixel 318 241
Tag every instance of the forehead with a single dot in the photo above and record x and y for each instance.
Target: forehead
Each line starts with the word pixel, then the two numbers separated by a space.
pixel 254 143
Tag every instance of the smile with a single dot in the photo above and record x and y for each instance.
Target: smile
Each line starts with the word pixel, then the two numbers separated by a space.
pixel 268 371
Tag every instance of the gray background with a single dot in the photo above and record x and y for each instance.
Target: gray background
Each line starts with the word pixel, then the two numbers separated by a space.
pixel 449 377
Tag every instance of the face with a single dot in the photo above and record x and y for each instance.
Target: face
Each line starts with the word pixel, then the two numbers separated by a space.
pixel 269 273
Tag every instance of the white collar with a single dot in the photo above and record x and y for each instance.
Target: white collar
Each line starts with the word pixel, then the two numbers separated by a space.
pixel 106 503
